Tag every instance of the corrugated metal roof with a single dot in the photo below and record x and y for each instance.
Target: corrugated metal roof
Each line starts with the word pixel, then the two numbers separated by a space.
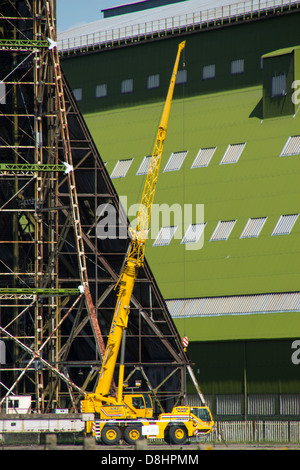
pixel 139 5
pixel 235 305
pixel 160 19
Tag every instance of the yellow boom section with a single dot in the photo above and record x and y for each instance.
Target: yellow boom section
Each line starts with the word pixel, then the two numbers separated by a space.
pixel 139 236
pixel 133 260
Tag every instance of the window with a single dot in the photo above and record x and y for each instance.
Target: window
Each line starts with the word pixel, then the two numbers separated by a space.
pixel 138 403
pixel 2 93
pixel 153 81
pixel 285 224
pixel 144 167
pixel 121 168
pixel 193 233
pixel 208 72
pixel 101 91
pixel 175 161
pixel 223 230
pixel 253 227
pixel 261 405
pixel 77 93
pixel 203 157
pixel 165 236
pixel 237 66
pixel 289 405
pixel 201 413
pixel 127 86
pixel 232 153
pixel 181 77
pixel 278 85
pixel 292 146
pixel 229 405
pixel 13 403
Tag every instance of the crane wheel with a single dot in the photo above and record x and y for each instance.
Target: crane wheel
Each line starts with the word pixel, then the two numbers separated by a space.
pixel 177 434
pixel 133 434
pixel 110 435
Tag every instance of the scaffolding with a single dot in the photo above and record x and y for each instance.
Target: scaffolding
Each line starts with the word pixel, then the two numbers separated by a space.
pixel 57 277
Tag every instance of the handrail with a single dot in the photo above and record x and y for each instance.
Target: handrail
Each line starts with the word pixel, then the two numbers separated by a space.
pixel 167 26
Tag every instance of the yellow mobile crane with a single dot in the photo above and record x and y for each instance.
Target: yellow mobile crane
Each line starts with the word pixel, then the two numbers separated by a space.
pixel 131 416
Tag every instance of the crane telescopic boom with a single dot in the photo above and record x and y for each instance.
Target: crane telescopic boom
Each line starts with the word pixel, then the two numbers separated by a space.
pixel 133 261
pixel 139 236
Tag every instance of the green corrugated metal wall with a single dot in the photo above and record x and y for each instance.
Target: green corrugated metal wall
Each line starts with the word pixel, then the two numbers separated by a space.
pixel 254 366
pixel 241 41
pixel 249 188
pixel 260 184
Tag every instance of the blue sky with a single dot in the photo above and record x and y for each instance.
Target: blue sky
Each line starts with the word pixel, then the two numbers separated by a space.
pixel 74 12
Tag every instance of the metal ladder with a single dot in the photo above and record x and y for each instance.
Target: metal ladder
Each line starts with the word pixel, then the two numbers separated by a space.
pixel 71 179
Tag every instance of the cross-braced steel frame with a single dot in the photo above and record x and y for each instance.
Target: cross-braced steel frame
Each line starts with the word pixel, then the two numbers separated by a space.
pixel 57 277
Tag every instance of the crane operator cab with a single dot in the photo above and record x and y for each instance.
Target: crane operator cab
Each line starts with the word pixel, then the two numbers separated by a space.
pixel 203 417
pixel 141 403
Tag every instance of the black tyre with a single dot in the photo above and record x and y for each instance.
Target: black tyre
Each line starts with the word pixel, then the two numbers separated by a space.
pixel 133 434
pixel 167 436
pixel 110 435
pixel 177 434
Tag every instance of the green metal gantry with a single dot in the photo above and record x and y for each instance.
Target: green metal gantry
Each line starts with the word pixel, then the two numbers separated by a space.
pixel 27 169
pixel 25 44
pixel 31 292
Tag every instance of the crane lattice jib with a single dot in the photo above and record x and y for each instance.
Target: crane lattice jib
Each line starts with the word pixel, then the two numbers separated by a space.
pixel 139 235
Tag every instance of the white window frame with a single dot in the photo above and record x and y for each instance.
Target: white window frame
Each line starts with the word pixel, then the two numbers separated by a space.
pixel 116 173
pixel 77 93
pixel 144 166
pixel 175 161
pixel 285 224
pixel 101 90
pixel 237 66
pixel 233 153
pixel 279 85
pixel 291 147
pixel 165 236
pixel 223 230
pixel 203 157
pixel 127 86
pixel 153 81
pixel 181 77
pixel 208 72
pixel 253 227
pixel 193 233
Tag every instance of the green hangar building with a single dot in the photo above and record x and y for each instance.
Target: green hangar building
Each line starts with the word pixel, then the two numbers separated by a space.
pixel 224 244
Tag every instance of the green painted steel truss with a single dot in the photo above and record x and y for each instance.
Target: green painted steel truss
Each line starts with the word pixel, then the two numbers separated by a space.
pixel 26 169
pixel 25 44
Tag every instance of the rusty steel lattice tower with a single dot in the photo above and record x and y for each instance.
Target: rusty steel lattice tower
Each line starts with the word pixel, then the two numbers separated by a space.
pixel 35 123
pixel 57 277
